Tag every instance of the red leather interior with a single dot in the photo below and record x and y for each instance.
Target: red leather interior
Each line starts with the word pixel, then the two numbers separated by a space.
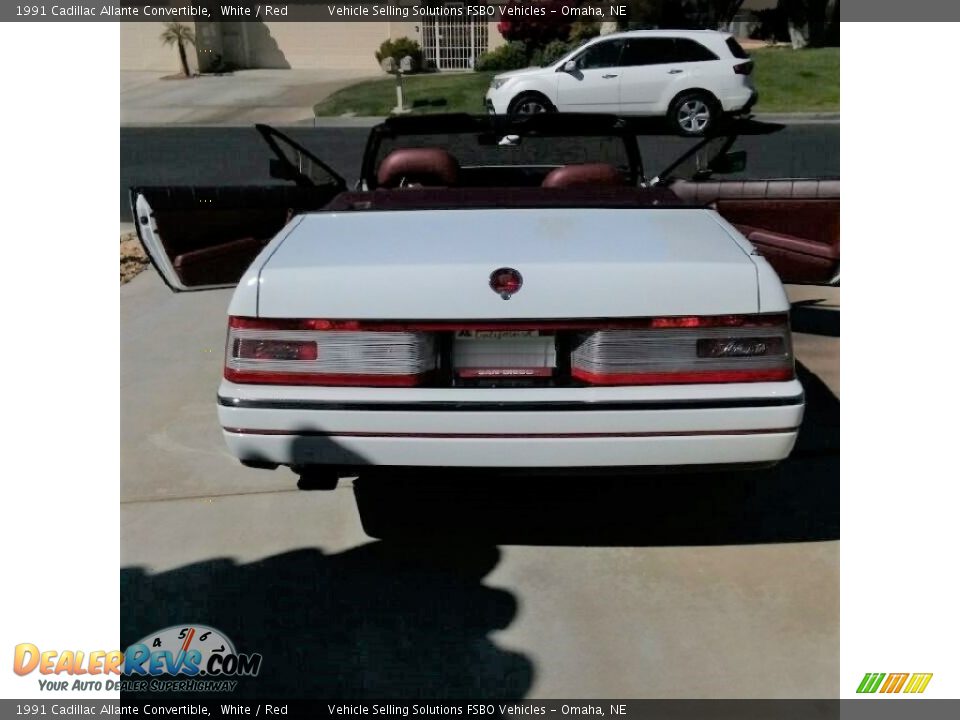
pixel 207 266
pixel 211 234
pixel 704 193
pixel 585 174
pixel 794 258
pixel 431 167
pixel 795 224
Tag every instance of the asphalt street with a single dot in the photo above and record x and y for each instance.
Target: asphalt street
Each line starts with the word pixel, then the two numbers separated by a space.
pixel 237 156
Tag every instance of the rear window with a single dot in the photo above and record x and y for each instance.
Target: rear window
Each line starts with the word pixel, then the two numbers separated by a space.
pixel 648 51
pixel 735 49
pixel 687 50
pixel 548 150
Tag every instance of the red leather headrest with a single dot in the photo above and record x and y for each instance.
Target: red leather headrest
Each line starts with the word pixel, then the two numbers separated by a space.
pixel 586 174
pixel 424 166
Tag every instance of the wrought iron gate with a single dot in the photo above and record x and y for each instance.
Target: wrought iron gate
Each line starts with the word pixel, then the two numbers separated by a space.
pixel 454 44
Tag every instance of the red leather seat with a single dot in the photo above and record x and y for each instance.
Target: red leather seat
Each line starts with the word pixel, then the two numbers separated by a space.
pixel 585 174
pixel 424 167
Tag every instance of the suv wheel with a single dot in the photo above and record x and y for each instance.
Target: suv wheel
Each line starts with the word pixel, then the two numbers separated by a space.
pixel 530 104
pixel 693 113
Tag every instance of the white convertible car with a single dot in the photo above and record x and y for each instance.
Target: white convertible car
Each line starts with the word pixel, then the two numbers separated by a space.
pixel 501 293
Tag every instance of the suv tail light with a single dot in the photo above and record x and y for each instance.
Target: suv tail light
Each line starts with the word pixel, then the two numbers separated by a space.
pixel 744 68
pixel 686 350
pixel 317 352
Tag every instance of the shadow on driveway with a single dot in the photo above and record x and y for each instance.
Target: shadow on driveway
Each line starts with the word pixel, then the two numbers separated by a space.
pixel 798 500
pixel 377 621
pixel 411 618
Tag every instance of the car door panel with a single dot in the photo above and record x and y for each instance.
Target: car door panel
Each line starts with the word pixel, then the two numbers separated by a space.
pixel 800 238
pixel 206 237
pixel 595 90
pixel 794 224
pixel 643 87
pixel 647 73
pixel 594 86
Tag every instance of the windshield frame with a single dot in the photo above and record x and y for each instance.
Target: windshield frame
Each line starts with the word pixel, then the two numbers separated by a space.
pixel 547 125
pixel 556 125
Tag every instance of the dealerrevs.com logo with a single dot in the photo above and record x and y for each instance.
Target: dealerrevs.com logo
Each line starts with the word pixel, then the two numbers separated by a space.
pixel 180 658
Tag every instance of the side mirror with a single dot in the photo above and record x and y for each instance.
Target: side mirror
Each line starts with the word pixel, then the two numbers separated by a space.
pixel 569 66
pixel 281 170
pixel 730 162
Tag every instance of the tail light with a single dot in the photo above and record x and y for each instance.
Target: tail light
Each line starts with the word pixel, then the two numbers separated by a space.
pixel 639 351
pixel 686 350
pixel 744 68
pixel 312 352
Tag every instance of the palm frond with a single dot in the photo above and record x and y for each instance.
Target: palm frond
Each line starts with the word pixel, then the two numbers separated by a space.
pixel 175 33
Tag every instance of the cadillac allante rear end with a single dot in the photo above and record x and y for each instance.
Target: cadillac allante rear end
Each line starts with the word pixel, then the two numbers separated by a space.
pixel 549 338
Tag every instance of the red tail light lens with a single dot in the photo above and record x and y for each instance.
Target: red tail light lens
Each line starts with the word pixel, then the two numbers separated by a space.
pixel 252 349
pixel 688 350
pixel 744 68
pixel 308 352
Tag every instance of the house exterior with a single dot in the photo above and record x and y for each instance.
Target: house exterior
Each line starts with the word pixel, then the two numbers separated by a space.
pixel 451 45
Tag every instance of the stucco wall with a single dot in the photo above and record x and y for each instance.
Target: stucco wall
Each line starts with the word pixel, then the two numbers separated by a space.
pixel 347 46
pixel 323 45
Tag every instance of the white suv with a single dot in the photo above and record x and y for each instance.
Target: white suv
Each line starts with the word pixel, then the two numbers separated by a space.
pixel 689 76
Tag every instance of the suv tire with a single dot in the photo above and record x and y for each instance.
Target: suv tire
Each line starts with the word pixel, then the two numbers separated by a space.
pixel 530 103
pixel 693 113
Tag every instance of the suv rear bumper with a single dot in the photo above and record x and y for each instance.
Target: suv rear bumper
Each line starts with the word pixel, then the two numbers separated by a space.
pixel 740 103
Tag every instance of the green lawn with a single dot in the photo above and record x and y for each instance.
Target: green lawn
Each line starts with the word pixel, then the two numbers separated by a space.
pixel 797 80
pixel 437 92
pixel 788 81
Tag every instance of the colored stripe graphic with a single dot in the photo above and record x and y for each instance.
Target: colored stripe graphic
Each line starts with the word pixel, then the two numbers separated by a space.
pixel 918 682
pixel 894 682
pixel 870 682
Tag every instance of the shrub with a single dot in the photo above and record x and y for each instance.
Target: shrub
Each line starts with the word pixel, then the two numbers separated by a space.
pixel 554 50
pixel 511 56
pixel 537 30
pixel 399 49
pixel 583 30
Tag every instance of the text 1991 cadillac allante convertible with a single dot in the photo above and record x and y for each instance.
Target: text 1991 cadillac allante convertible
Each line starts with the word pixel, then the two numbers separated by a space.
pixel 502 293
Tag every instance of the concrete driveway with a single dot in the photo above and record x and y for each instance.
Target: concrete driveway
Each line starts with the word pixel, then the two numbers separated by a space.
pixel 280 97
pixel 708 586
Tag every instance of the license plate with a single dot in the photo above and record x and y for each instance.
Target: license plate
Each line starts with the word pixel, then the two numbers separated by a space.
pixel 504 354
pixel 497 334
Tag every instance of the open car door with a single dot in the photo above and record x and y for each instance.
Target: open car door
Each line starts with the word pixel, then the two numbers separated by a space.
pixel 206 237
pixel 793 222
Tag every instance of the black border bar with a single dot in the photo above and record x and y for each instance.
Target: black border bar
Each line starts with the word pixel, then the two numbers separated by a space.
pixel 487 406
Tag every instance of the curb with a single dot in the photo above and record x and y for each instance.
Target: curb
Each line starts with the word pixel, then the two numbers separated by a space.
pixel 800 118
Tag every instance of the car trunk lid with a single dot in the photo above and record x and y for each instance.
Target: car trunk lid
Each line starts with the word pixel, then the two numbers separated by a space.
pixel 574 263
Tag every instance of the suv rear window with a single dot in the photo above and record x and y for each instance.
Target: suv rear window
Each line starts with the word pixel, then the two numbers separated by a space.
pixel 686 50
pixel 662 50
pixel 647 51
pixel 738 52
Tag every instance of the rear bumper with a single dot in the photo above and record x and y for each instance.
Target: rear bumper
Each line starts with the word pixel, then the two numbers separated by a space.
pixel 741 101
pixel 579 427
